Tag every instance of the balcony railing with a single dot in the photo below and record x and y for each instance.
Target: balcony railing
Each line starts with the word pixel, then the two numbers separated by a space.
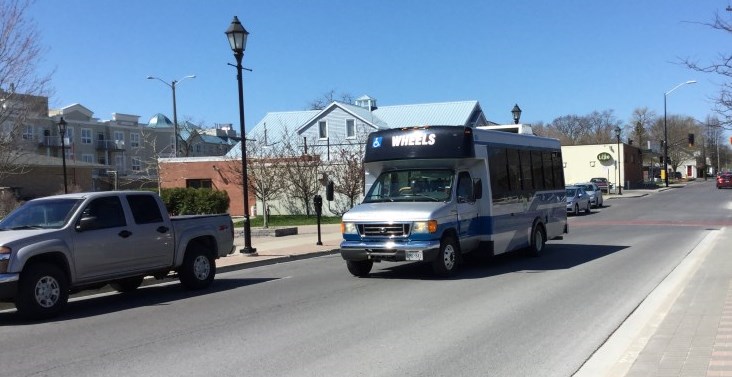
pixel 111 145
pixel 53 141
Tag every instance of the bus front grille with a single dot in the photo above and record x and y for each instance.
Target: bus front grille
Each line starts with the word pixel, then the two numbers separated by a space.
pixel 383 230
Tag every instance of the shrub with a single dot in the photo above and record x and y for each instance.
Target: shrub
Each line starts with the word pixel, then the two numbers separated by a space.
pixel 190 201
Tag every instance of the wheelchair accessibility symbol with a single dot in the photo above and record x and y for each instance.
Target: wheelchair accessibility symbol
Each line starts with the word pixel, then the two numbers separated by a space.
pixel 377 142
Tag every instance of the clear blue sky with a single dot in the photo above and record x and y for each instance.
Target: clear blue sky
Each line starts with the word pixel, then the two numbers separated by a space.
pixel 553 58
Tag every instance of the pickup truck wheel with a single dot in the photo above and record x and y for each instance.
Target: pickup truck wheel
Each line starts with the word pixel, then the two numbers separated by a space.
pixel 43 291
pixel 447 259
pixel 127 284
pixel 360 268
pixel 198 269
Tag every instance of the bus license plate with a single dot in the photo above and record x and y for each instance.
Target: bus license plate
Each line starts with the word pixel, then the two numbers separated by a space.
pixel 414 255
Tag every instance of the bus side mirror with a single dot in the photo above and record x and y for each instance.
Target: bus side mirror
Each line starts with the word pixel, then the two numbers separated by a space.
pixel 329 191
pixel 477 189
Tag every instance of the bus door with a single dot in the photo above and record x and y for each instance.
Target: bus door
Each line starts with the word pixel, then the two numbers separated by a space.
pixel 467 212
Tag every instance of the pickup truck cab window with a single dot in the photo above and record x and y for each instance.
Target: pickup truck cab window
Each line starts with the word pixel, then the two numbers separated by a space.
pixel 144 209
pixel 107 211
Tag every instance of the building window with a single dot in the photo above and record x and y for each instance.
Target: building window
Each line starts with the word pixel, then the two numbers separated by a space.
pixel 119 163
pixel 69 136
pixel 28 133
pixel 323 129
pixel 199 183
pixel 119 139
pixel 350 128
pixel 86 136
pixel 198 148
pixel 136 164
pixel 134 140
pixel 89 158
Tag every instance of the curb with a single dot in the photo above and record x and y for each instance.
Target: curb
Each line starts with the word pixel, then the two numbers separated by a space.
pixel 274 260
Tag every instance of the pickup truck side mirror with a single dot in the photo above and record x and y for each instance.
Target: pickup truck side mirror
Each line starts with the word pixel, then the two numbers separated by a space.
pixel 87 223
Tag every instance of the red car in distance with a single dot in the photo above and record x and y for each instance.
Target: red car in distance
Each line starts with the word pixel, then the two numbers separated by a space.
pixel 724 180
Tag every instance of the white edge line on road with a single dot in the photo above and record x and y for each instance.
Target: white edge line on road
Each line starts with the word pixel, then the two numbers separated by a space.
pixel 620 350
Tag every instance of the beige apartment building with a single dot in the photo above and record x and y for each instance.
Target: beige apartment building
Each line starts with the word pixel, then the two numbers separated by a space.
pixel 99 154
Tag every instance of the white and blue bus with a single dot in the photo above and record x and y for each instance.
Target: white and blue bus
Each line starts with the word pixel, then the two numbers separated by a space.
pixel 435 193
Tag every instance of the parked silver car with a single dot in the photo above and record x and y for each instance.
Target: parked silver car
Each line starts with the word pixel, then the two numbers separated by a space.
pixel 594 192
pixel 577 199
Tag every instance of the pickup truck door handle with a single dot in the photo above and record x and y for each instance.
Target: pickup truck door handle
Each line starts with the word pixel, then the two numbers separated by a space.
pixel 124 233
pixel 162 229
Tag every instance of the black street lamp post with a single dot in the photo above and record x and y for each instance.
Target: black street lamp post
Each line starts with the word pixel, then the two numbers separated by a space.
pixel 172 85
pixel 516 112
pixel 237 36
pixel 620 169
pixel 665 128
pixel 62 132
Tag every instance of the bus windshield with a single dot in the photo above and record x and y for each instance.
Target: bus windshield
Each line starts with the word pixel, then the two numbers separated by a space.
pixel 412 185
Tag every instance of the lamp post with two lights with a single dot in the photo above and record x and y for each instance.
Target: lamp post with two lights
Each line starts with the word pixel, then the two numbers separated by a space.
pixel 665 128
pixel 172 85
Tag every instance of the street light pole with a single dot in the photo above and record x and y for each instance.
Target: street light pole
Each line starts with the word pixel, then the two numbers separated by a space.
pixel 62 132
pixel 237 37
pixel 665 128
pixel 620 170
pixel 172 85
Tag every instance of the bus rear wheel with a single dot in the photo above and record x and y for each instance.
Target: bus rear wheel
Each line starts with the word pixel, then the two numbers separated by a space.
pixel 538 241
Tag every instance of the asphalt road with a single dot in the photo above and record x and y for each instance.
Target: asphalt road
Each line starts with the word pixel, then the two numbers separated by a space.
pixel 512 316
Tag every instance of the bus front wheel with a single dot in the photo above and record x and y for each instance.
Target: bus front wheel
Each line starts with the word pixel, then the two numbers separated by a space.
pixel 360 268
pixel 447 259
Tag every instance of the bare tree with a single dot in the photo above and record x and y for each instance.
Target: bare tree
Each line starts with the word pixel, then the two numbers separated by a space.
pixel 327 98
pixel 594 128
pixel 347 174
pixel 678 130
pixel 22 91
pixel 722 67
pixel 303 173
pixel 266 172
pixel 153 146
pixel 641 121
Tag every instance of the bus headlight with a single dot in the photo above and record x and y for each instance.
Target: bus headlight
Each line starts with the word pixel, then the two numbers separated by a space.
pixel 348 228
pixel 425 226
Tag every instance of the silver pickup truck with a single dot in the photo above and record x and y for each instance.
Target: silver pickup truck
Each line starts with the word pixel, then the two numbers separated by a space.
pixel 53 246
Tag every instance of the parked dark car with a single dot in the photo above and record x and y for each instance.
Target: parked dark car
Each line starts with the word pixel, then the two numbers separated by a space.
pixel 724 180
pixel 602 183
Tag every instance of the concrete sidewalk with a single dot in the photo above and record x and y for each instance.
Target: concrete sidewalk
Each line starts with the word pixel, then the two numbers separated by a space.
pixel 272 249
